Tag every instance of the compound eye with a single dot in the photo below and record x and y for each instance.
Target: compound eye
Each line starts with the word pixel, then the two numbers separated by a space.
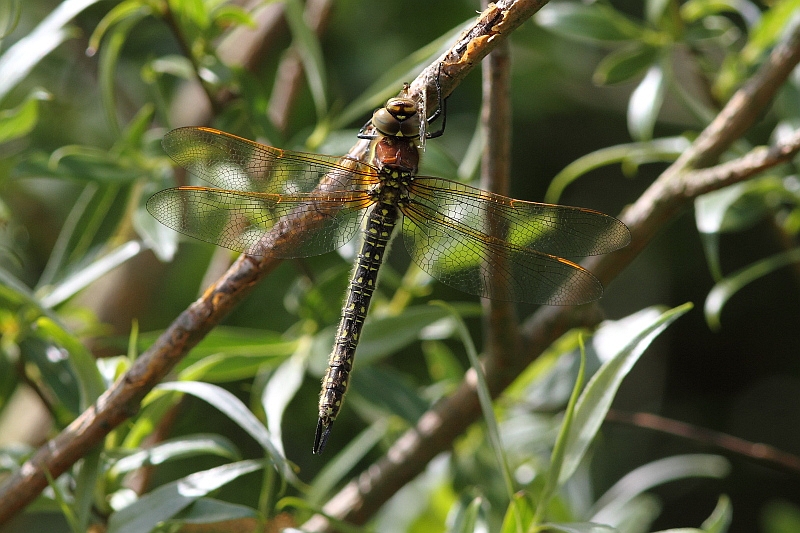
pixel 385 122
pixel 410 127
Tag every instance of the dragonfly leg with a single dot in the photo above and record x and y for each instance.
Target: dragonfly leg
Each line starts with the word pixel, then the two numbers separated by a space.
pixel 440 110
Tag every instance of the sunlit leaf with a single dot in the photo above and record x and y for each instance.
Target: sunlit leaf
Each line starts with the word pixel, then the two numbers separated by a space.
pixel 19 121
pixel 721 518
pixel 281 389
pixel 645 104
pixel 87 275
pixel 519 515
pixel 620 345
pixel 238 412
pixel 178 448
pixel 167 500
pixel 26 53
pixel 588 22
pixel 310 50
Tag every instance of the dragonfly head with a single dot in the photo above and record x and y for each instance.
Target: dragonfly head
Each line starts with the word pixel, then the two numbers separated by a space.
pixel 398 118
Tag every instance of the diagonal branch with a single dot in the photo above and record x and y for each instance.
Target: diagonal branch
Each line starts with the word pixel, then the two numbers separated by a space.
pixel 122 400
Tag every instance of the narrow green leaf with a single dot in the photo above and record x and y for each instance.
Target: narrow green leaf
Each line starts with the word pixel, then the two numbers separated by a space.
pixel 307 45
pixel 211 511
pixel 485 399
pixel 588 22
pixel 234 409
pixel 109 56
pixel 79 280
pixel 645 104
pixel 167 500
pixel 608 507
pixel 721 518
pixel 281 389
pixel 19 121
pixel 82 362
pixel 387 390
pixel 626 63
pixel 579 527
pixel 178 448
pixel 9 17
pixel 620 344
pixel 719 295
pixel 666 149
pixel 26 53
pixel 118 14
pixel 519 515
pixel 560 449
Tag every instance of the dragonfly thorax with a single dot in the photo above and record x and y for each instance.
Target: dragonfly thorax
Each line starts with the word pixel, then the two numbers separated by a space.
pixel 399 118
pixel 395 157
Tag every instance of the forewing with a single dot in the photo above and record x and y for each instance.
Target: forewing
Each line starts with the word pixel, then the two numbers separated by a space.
pixel 546 228
pixel 234 163
pixel 260 223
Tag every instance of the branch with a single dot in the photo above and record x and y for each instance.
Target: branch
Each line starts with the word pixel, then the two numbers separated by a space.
pixel 122 400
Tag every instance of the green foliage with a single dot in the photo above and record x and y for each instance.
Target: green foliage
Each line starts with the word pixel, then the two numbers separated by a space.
pixel 80 145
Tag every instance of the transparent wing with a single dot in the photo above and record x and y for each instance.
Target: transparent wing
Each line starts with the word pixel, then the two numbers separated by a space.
pixel 547 228
pixel 496 247
pixel 234 163
pixel 270 201
pixel 259 223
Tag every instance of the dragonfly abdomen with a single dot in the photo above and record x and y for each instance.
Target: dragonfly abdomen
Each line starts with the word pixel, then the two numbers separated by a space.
pixel 380 224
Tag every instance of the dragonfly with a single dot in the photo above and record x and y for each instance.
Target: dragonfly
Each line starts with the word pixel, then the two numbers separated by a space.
pixel 287 204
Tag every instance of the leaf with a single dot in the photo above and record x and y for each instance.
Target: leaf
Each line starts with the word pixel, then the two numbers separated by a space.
pixel 178 448
pixel 234 409
pixel 210 511
pixel 387 390
pixel 608 507
pixel 90 273
pixel 307 45
pixel 281 389
pixel 26 53
pixel 134 9
pixel 582 527
pixel 721 517
pixel 624 64
pixel 666 149
pixel 385 336
pixel 167 500
pixel 19 121
pixel 645 104
pixel 9 17
pixel 519 515
pixel 722 291
pixel 619 344
pixel 588 22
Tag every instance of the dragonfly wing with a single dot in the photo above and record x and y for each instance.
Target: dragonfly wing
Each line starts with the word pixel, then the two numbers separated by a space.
pixel 238 164
pixel 259 223
pixel 550 229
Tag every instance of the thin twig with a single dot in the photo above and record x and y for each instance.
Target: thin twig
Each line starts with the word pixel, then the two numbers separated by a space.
pixel 753 450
